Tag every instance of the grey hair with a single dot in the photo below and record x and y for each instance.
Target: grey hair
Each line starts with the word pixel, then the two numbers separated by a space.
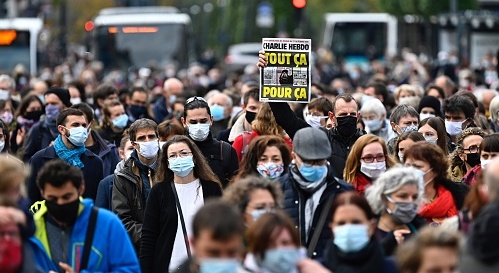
pixel 390 182
pixel 402 111
pixel 7 78
pixel 209 97
pixel 373 106
pixel 494 108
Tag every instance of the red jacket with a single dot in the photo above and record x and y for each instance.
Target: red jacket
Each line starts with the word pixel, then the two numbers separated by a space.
pixel 243 140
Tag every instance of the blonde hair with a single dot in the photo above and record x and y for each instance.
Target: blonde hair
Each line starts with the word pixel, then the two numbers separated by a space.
pixel 265 123
pixel 13 173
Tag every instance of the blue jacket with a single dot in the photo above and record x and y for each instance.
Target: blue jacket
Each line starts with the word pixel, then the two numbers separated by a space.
pixel 160 111
pixel 112 250
pixel 108 153
pixel 294 205
pixel 92 172
pixel 104 192
pixel 39 137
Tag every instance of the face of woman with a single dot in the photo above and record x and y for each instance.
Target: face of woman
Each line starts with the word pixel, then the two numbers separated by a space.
pixel 281 238
pixel 422 166
pixel 428 132
pixel 34 106
pixel 438 259
pixel 116 111
pixel 351 214
pixel 260 200
pixel 407 194
pixel 271 154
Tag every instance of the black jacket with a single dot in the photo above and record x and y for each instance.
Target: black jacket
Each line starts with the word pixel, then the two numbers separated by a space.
pixel 92 172
pixel 458 191
pixel 160 225
pixel 39 137
pixel 294 205
pixel 221 157
pixel 108 153
pixel 340 146
pixel 127 199
pixel 108 134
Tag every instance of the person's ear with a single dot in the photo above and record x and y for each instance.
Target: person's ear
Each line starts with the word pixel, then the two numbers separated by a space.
pixel 61 130
pixel 81 190
pixel 121 153
pixel 182 120
pixel 393 126
pixel 372 227
pixel 461 155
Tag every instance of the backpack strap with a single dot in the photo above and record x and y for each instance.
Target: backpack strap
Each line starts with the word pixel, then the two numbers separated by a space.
pixel 318 228
pixel 182 221
pixel 89 237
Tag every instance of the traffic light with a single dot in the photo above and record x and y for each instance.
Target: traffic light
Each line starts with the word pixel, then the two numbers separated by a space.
pixel 299 4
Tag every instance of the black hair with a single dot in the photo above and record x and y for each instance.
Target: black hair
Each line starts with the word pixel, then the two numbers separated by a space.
pixel 80 87
pixel 253 93
pixel 438 88
pixel 61 119
pixel 143 123
pixel 57 173
pixel 140 89
pixel 21 110
pixel 86 109
pixel 6 133
pixel 490 143
pixel 195 104
pixel 379 89
pixel 219 217
pixel 456 104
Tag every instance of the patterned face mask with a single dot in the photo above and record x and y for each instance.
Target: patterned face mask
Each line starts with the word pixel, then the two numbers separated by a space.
pixel 270 170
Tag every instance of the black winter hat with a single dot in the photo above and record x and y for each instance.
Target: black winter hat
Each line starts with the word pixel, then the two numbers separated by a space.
pixel 62 94
pixel 432 102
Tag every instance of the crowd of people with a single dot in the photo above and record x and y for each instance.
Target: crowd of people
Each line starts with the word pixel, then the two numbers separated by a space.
pixel 194 174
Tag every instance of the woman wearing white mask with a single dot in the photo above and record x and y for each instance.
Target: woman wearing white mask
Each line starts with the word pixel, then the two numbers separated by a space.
pixel 442 198
pixel 395 198
pixel 489 148
pixel 374 116
pixel 355 247
pixel 433 130
pixel 404 142
pixel 367 160
pixel 274 247
pixel 185 182
pixel 114 122
pixel 266 156
pixel 254 196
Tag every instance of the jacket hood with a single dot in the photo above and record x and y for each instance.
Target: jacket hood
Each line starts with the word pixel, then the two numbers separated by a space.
pixel 482 242
pixel 237 128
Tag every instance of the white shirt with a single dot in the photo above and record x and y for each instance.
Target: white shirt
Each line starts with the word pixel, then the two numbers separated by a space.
pixel 191 199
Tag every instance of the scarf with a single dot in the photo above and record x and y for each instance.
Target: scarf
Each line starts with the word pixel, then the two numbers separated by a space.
pixel 71 156
pixel 368 260
pixel 442 207
pixel 52 126
pixel 361 182
pixel 308 187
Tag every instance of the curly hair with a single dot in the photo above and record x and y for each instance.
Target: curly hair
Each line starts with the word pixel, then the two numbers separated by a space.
pixel 239 193
pixel 256 148
pixel 433 155
pixel 352 166
pixel 454 159
pixel 265 124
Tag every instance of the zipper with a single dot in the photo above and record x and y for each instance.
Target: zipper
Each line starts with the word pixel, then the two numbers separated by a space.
pixel 150 179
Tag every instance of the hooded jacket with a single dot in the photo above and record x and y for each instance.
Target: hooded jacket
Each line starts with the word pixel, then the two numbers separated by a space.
pixel 103 258
pixel 482 250
pixel 340 146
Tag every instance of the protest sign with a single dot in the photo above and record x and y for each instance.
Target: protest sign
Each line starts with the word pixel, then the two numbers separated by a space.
pixel 287 75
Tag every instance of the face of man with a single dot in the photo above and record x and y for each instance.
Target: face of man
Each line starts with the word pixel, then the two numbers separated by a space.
pixel 72 122
pixel 54 100
pixel 253 105
pixel 206 247
pixel 138 99
pixel 222 101
pixel 344 109
pixel 65 194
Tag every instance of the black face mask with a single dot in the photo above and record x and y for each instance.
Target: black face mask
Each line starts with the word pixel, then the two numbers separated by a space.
pixel 33 115
pixel 138 111
pixel 66 213
pixel 250 116
pixel 473 159
pixel 346 126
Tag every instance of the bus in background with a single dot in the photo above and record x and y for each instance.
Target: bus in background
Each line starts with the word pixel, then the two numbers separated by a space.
pixel 19 39
pixel 357 38
pixel 142 37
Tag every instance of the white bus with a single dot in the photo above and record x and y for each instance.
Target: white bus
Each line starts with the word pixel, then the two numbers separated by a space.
pixel 357 38
pixel 142 36
pixel 19 39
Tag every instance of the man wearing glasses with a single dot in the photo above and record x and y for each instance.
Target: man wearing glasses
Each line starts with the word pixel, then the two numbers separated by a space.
pixel 197 121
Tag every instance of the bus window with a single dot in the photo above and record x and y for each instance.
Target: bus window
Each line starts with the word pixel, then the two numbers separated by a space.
pixel 359 40
pixel 14 49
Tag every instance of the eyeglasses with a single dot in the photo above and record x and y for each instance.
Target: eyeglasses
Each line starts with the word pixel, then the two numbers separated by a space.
pixel 473 149
pixel 191 99
pixel 181 154
pixel 370 158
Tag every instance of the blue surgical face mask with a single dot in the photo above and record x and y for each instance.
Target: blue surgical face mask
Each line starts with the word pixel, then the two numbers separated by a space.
pixel 351 237
pixel 431 140
pixel 77 136
pixel 374 125
pixel 313 173
pixel 218 266
pixel 181 166
pixel 172 99
pixel 217 112
pixel 281 260
pixel 256 213
pixel 52 112
pixel 120 121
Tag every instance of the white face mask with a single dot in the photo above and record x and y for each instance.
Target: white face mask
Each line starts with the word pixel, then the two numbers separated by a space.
pixel 453 128
pixel 4 94
pixel 374 125
pixel 2 145
pixel 75 101
pixel 401 156
pixel 128 154
pixel 484 163
pixel 148 149
pixel 314 121
pixel 199 131
pixel 373 170
pixel 161 143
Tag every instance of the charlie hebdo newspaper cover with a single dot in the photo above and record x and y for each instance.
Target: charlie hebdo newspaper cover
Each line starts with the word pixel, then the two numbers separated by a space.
pixel 287 75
